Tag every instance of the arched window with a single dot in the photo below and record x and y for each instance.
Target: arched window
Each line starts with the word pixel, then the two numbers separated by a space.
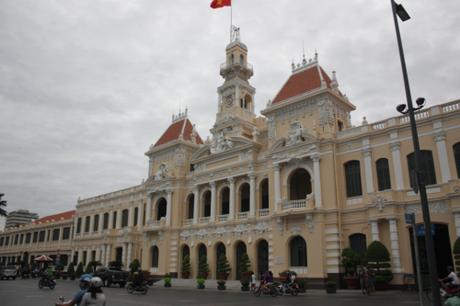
pixel 244 197
pixel 262 256
pixel 124 218
pixel 220 249
pixel 185 251
pixel 298 252
pixel 87 220
pixel 426 167
pixel 264 194
pixel 225 201
pixel 154 255
pixel 161 208
pixel 299 184
pixel 457 157
pixel 96 223
pixel 358 243
pixel 190 206
pixel 136 215
pixel 353 178
pixel 383 174
pixel 207 203
pixel 240 250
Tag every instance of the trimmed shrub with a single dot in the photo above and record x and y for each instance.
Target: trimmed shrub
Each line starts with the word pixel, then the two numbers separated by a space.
pixel 80 269
pixel 185 269
pixel 134 266
pixel 71 271
pixel 200 283
pixel 379 260
pixel 350 261
pixel 203 267
pixel 223 267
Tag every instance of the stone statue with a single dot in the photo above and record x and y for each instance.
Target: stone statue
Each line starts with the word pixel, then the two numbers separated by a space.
pixel 162 172
pixel 295 135
pixel 220 143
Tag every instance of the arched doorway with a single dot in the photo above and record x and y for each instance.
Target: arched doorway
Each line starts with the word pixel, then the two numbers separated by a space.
pixel 442 248
pixel 299 184
pixel 240 249
pixel 244 197
pixel 202 253
pixel 220 250
pixel 161 208
pixel 262 257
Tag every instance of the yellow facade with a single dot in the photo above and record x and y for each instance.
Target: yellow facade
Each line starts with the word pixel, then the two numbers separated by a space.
pixel 275 184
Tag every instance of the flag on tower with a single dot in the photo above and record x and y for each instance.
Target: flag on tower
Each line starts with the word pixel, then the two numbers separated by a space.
pixel 220 3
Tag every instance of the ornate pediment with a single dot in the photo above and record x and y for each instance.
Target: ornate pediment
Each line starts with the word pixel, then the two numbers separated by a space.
pixel 229 144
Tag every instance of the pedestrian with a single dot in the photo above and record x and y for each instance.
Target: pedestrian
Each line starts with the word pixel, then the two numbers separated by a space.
pixel 362 271
pixel 76 300
pixel 253 281
pixel 94 296
pixel 370 281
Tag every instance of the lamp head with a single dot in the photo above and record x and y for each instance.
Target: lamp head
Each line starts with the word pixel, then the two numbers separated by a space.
pixel 420 102
pixel 401 12
pixel 401 108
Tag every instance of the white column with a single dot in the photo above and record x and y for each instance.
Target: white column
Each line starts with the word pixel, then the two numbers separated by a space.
pixel 252 195
pixel 367 153
pixel 107 253
pixel 140 211
pixel 75 221
pixel 131 216
pixel 231 209
pixel 123 253
pixel 397 168
pixel 101 222
pixel 148 213
pixel 196 204
pixel 396 266
pixel 129 255
pixel 440 138
pixel 91 223
pixel 119 218
pixel 213 201
pixel 457 223
pixel 374 230
pixel 79 256
pixel 277 184
pixel 169 208
pixel 98 254
pixel 317 181
pixel 88 256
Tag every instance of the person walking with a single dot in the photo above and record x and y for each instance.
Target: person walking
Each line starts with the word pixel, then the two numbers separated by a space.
pixel 94 296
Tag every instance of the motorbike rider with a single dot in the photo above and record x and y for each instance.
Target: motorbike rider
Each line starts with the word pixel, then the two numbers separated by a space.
pixel 451 280
pixel 138 280
pixel 84 285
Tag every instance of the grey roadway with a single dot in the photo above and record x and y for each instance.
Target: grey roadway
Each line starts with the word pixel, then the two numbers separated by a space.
pixel 25 292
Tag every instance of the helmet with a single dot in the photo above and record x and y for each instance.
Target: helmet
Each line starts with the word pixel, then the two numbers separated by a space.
pixel 85 277
pixel 96 282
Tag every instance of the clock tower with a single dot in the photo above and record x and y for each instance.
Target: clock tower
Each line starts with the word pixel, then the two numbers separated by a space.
pixel 235 114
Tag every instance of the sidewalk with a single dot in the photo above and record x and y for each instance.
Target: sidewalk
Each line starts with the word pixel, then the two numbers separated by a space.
pixel 235 286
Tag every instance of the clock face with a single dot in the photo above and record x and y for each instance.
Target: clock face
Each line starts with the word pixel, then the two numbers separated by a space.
pixel 228 100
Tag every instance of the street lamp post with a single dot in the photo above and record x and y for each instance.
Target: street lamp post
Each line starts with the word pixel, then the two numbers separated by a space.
pixel 419 182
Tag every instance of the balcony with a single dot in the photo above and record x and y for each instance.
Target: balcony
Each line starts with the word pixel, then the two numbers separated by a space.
pixel 299 205
pixel 154 225
pixel 188 222
pixel 263 212
pixel 243 215
pixel 223 218
pixel 204 220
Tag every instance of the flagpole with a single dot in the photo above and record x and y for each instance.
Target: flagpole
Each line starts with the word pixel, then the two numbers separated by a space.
pixel 231 16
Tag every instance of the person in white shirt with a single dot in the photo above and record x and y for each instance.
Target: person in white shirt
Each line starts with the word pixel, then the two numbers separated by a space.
pixel 451 279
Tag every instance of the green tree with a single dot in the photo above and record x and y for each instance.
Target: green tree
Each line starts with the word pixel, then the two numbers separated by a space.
pixel 350 261
pixel 203 267
pixel 135 266
pixel 71 271
pixel 80 269
pixel 91 266
pixel 244 264
pixel 223 267
pixel 2 204
pixel 378 259
pixel 185 269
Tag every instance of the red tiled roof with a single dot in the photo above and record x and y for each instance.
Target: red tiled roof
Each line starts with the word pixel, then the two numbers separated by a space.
pixel 302 82
pixel 57 217
pixel 184 127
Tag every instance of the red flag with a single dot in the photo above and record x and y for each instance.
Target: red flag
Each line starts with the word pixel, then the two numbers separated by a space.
pixel 220 3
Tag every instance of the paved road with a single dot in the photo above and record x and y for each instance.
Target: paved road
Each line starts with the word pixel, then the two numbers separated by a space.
pixel 25 292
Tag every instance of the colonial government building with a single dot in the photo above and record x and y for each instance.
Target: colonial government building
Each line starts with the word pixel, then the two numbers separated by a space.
pixel 292 188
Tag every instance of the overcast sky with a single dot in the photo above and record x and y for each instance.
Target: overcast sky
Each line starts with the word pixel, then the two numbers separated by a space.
pixel 87 85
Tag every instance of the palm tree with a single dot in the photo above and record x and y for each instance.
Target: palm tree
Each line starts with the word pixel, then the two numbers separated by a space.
pixel 2 203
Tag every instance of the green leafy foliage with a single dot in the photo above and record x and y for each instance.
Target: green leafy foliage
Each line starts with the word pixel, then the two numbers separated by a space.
pixel 71 270
pixel 203 267
pixel 200 282
pixel 80 269
pixel 350 261
pixel 134 266
pixel 378 259
pixel 186 268
pixel 223 267
pixel 244 263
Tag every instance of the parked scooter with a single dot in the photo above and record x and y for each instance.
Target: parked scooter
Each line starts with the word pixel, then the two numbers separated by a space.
pixel 46 282
pixel 132 287
pixel 289 288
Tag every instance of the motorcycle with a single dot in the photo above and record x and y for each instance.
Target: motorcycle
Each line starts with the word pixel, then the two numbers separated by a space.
pixel 131 288
pixel 289 288
pixel 46 282
pixel 270 289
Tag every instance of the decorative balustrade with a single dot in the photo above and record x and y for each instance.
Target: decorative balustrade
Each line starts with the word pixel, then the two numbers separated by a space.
pixel 263 212
pixel 188 221
pixel 243 215
pixel 223 218
pixel 289 204
pixel 204 220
